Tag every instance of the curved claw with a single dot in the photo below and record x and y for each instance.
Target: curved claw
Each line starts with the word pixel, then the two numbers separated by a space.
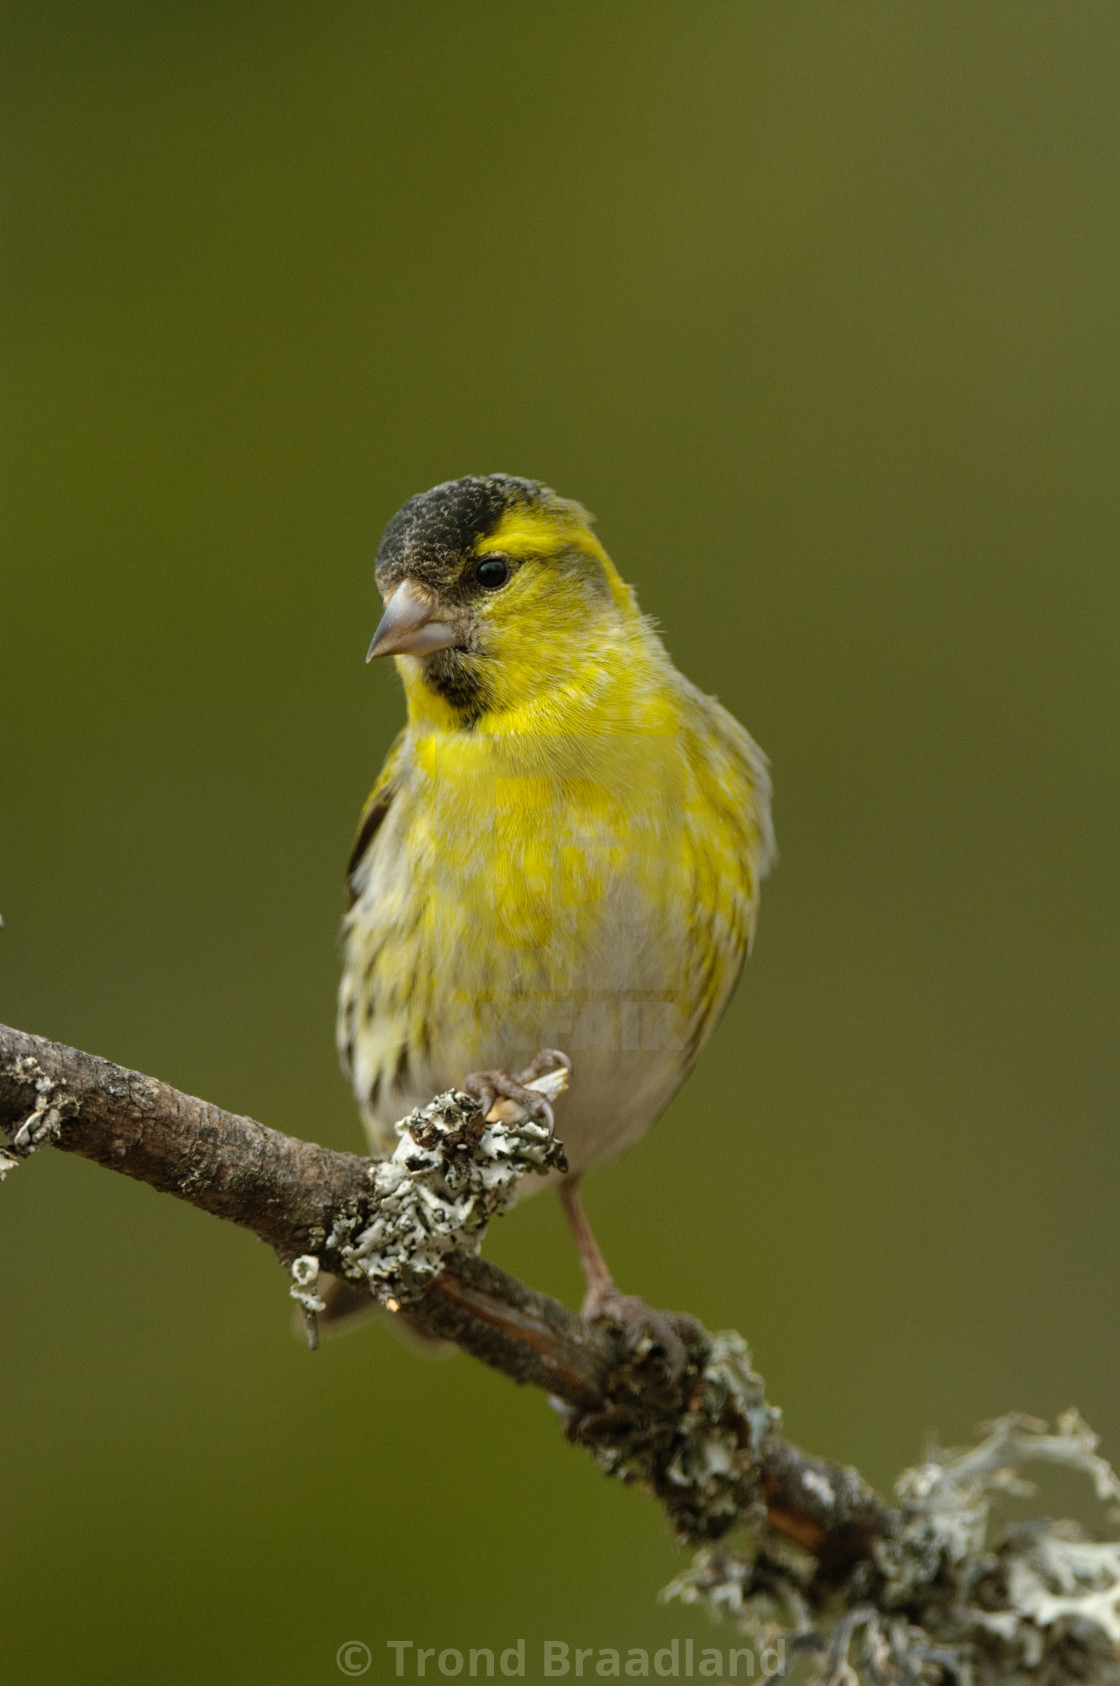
pixel 545 1059
pixel 488 1087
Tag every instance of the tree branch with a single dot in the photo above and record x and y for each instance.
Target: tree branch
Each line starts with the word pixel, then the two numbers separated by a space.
pixel 705 1442
pixel 288 1192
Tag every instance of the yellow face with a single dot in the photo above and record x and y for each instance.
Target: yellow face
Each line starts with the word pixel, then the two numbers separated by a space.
pixel 515 612
pixel 559 587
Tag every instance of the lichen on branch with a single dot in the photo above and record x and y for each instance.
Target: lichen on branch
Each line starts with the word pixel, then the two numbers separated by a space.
pixel 943 1594
pixel 43 1123
pixel 453 1169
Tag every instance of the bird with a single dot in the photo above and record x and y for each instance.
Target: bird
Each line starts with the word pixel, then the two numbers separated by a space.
pixel 565 844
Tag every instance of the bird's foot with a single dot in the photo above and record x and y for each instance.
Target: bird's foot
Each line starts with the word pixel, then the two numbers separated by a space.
pixel 490 1088
pixel 545 1059
pixel 643 1327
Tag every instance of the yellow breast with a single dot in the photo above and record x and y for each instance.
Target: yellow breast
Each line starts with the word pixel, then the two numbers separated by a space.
pixel 582 871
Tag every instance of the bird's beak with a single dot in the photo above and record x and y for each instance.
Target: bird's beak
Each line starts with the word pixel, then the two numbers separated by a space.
pixel 410 625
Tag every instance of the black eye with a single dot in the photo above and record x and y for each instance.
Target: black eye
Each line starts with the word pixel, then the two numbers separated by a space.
pixel 492 572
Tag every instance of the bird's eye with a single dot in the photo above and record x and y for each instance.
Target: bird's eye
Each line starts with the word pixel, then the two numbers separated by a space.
pixel 492 572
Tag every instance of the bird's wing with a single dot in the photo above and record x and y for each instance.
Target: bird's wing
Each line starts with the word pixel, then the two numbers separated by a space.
pixel 732 847
pixel 373 814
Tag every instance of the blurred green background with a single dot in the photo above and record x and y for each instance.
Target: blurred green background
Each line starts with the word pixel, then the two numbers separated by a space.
pixel 815 304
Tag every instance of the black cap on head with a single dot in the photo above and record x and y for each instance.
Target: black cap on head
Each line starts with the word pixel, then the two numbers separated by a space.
pixel 431 532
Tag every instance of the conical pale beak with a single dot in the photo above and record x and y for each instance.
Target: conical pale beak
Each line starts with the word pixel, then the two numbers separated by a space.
pixel 409 626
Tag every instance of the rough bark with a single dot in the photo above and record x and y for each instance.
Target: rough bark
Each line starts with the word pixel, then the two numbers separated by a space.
pixel 289 1192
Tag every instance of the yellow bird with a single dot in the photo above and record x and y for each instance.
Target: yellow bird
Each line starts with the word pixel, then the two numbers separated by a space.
pixel 566 841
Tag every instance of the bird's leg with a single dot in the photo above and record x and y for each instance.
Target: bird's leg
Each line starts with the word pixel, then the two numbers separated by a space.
pixel 603 1298
pixel 489 1086
pixel 600 1283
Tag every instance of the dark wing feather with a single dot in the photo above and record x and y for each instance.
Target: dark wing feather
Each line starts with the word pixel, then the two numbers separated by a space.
pixel 373 816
